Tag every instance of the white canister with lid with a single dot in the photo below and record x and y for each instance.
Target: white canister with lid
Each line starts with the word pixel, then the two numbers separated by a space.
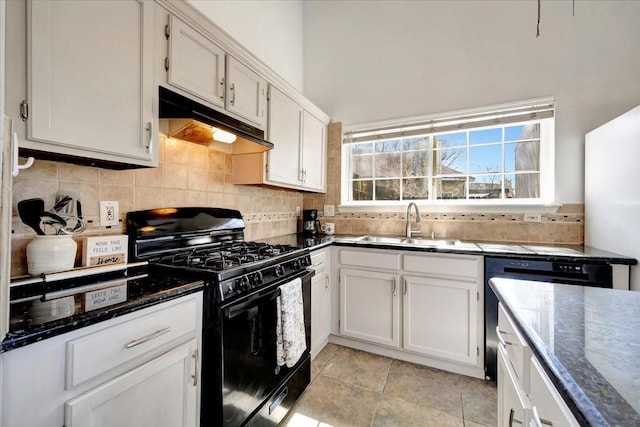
pixel 49 254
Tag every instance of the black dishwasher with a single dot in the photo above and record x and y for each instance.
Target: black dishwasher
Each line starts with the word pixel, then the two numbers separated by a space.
pixel 572 272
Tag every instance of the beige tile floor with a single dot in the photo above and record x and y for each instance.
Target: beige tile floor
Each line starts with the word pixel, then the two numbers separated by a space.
pixel 354 388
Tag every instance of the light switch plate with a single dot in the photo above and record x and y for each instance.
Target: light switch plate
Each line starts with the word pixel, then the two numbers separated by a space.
pixel 109 213
pixel 329 210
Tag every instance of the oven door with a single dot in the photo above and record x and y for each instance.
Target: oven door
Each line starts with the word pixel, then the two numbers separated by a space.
pixel 250 373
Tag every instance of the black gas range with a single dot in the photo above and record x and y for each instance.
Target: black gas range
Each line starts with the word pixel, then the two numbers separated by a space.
pixel 242 381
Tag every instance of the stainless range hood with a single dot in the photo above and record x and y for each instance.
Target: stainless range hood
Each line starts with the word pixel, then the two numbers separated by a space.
pixel 192 121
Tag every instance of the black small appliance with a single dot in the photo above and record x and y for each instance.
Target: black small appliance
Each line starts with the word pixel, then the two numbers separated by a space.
pixel 309 222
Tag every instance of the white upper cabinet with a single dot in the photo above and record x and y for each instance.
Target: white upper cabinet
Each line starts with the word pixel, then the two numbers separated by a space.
pixel 246 93
pixel 314 153
pixel 285 127
pixel 298 159
pixel 89 80
pixel 195 64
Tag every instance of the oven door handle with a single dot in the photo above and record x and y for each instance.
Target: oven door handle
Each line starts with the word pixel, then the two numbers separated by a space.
pixel 237 309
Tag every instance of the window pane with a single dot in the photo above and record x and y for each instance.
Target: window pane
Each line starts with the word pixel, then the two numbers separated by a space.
pixel 513 133
pixel 451 161
pixel 447 140
pixel 388 189
pixel 485 136
pixel 415 163
pixel 522 156
pixel 363 148
pixel 415 188
pixel 528 131
pixel 362 167
pixel 486 158
pixel 419 143
pixel 363 190
pixel 527 185
pixel 485 186
pixel 390 145
pixel 450 187
pixel 387 165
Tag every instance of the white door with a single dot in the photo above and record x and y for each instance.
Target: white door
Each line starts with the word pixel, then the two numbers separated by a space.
pixel 246 93
pixel 90 80
pixel 160 393
pixel 440 318
pixel 314 153
pixel 196 64
pixel 285 124
pixel 369 306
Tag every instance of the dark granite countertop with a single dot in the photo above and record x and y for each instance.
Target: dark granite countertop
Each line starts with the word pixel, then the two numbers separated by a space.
pixel 40 310
pixel 588 341
pixel 506 250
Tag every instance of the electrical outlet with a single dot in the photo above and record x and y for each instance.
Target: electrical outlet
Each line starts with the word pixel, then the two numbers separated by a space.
pixel 297 210
pixel 109 213
pixel 329 210
pixel 529 217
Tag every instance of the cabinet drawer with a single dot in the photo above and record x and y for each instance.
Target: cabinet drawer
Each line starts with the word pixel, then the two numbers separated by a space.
pixel 517 348
pixel 443 265
pixel 371 259
pixel 319 260
pixel 94 354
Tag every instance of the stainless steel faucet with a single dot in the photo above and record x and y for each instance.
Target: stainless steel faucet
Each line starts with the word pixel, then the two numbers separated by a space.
pixel 410 230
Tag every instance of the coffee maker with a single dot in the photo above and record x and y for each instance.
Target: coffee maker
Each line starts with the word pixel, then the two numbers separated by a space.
pixel 309 222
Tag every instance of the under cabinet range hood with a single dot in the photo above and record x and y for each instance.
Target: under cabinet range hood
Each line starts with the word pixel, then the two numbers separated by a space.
pixel 194 122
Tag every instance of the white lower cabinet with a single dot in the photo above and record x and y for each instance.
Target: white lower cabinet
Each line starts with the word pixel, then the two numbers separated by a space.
pixel 526 395
pixel 320 300
pixel 370 306
pixel 424 306
pixel 513 403
pixel 160 393
pixel 139 369
pixel 439 318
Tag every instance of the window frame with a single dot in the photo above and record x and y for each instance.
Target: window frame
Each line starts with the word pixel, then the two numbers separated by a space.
pixel 546 170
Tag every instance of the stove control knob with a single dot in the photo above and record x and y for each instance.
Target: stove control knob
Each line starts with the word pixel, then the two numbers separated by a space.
pixel 278 270
pixel 304 262
pixel 257 279
pixel 243 283
pixel 296 264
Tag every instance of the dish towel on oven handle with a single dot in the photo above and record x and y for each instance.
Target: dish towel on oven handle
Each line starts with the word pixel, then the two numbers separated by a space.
pixel 291 339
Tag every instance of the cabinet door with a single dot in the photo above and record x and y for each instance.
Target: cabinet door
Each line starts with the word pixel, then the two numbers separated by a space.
pixel 314 153
pixel 246 93
pixel 196 64
pixel 550 408
pixel 160 393
pixel 320 300
pixel 285 125
pixel 513 404
pixel 440 318
pixel 370 306
pixel 90 81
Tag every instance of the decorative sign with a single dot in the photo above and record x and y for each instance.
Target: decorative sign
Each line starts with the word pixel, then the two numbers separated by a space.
pixel 105 297
pixel 103 250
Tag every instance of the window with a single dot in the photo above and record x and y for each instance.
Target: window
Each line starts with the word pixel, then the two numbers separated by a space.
pixel 492 156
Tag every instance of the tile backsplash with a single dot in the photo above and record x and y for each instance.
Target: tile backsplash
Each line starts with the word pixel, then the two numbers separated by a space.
pixel 189 175
pixel 195 175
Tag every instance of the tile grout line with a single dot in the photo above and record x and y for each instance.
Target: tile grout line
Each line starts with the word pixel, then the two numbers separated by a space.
pixel 384 386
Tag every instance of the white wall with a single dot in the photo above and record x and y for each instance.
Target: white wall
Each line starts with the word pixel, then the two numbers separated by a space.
pixel 271 30
pixel 374 60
